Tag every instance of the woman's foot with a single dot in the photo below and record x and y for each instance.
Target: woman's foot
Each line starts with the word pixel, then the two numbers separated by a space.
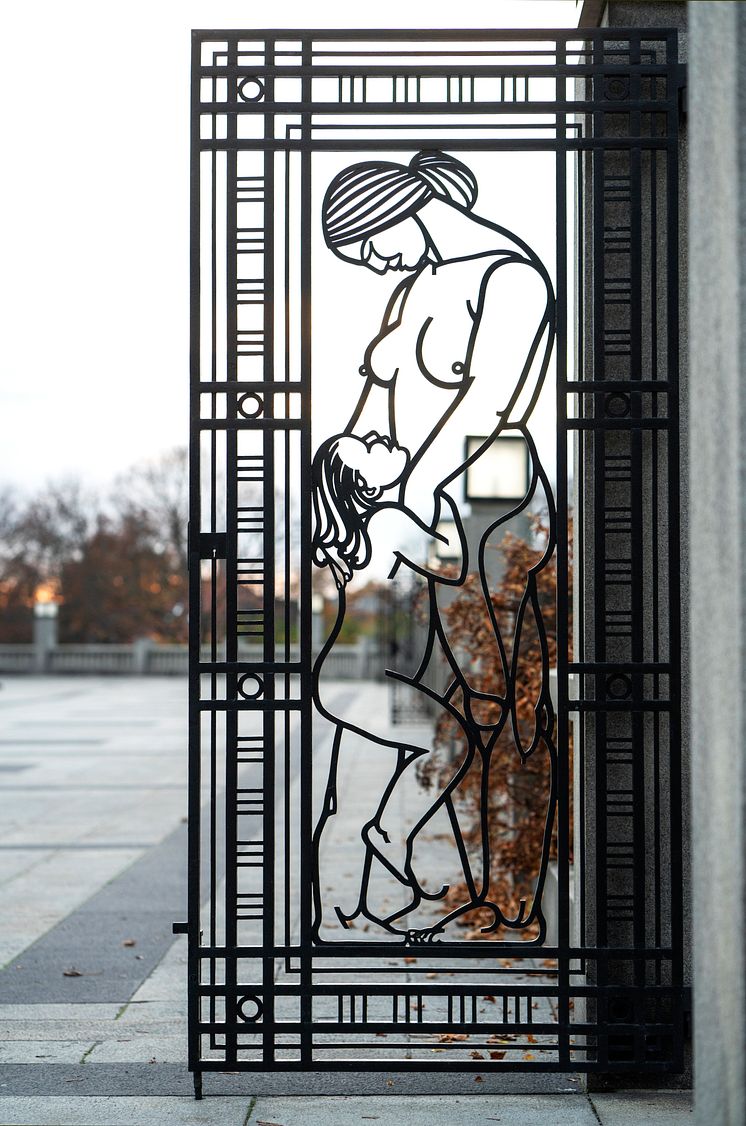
pixel 380 844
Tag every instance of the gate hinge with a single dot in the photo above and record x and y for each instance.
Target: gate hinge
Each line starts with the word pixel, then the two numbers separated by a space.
pixel 212 545
pixel 180 928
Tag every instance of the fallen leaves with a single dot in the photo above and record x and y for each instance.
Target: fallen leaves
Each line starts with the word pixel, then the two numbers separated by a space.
pixel 476 1055
pixel 452 1037
pixel 495 1054
pixel 130 942
pixel 72 972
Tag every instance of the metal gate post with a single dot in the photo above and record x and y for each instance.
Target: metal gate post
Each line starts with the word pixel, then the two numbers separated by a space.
pixel 635 766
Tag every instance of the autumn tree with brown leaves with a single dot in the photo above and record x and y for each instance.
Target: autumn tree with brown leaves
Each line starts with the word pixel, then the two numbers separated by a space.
pixel 119 564
pixel 518 788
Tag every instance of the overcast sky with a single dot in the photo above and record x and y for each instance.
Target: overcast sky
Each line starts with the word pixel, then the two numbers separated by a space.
pixel 94 214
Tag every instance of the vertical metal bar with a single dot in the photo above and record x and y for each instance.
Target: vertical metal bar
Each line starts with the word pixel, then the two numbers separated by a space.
pixel 599 561
pixel 581 447
pixel 674 535
pixel 655 593
pixel 231 585
pixel 304 616
pixel 268 442
pixel 638 593
pixel 213 566
pixel 563 578
pixel 286 584
pixel 193 878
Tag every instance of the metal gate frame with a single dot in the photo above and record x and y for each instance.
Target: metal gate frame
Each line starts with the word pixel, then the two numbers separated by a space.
pixel 618 989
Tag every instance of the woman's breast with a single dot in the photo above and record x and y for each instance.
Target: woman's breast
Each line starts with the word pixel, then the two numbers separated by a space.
pixel 429 344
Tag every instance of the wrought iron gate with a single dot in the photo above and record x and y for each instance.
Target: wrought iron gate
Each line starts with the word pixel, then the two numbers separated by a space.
pixel 316 155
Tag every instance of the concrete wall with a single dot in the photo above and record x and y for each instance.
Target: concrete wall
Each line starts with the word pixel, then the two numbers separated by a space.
pixel 717 109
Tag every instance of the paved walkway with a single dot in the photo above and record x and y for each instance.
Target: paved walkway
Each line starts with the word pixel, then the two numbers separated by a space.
pixel 92 993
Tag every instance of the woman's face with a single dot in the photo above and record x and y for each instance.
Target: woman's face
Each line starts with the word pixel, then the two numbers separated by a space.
pixel 378 461
pixel 401 247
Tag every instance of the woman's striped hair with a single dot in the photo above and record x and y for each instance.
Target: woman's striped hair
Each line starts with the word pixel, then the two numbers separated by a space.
pixel 369 197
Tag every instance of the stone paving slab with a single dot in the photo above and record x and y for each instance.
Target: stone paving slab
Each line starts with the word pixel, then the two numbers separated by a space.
pixel 140 904
pixel 101 1111
pixel 84 1030
pixel 59 1012
pixel 127 1078
pixel 40 1051
pixel 644 1108
pixel 141 1045
pixel 423 1110
pixel 42 897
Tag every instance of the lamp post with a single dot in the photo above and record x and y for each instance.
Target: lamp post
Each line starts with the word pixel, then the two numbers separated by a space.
pixel 46 598
pixel 496 481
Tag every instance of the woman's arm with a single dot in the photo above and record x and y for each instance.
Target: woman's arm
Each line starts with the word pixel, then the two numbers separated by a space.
pixel 403 534
pixel 374 409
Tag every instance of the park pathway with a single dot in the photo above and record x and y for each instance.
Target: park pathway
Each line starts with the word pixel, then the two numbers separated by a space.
pixel 92 990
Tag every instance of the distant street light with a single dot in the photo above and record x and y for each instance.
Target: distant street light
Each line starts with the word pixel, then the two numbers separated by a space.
pixel 46 598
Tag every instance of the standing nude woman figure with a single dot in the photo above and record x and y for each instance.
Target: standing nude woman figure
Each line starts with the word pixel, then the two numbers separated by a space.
pixel 472 320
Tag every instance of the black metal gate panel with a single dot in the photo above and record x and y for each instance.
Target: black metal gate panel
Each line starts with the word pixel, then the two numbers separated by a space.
pixel 399 239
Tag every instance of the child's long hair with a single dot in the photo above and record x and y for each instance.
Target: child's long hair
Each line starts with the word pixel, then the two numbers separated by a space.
pixel 341 497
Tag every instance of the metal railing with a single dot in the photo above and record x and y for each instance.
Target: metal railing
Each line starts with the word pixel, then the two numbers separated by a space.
pixel 361 661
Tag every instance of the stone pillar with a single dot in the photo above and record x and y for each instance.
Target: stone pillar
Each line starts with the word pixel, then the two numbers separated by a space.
pixel 717 105
pixel 141 648
pixel 623 745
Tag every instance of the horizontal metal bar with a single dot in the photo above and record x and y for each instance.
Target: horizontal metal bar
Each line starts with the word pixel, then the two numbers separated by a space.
pixel 442 70
pixel 612 705
pixel 279 387
pixel 458 144
pixel 420 1066
pixel 441 949
pixel 436 35
pixel 581 386
pixel 602 424
pixel 251 423
pixel 358 989
pixel 406 109
pixel 237 667
pixel 618 666
pixel 249 706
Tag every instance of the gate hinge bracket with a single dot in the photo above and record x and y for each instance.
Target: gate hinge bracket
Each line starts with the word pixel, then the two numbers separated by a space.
pixel 180 928
pixel 212 545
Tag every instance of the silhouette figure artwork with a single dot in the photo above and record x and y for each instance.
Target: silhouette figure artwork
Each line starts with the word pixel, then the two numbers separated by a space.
pixel 472 320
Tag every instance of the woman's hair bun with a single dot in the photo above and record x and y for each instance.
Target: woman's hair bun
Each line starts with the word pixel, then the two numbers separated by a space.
pixel 446 176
